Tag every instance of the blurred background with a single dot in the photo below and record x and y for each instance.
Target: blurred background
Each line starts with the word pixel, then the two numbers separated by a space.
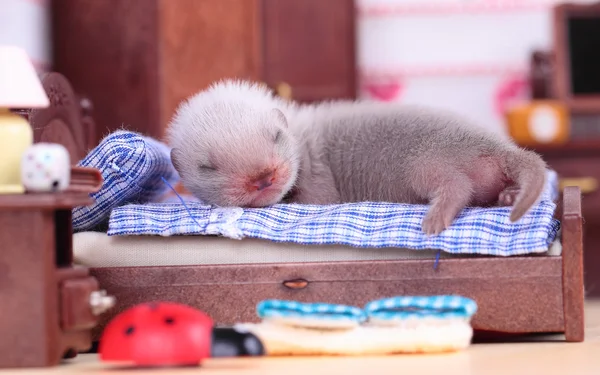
pixel 525 68
pixel 468 55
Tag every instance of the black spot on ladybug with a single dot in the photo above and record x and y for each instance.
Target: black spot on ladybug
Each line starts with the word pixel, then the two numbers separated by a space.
pixel 129 331
pixel 169 320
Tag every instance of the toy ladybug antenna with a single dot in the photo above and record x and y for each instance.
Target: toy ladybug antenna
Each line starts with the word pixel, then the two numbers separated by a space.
pixel 171 334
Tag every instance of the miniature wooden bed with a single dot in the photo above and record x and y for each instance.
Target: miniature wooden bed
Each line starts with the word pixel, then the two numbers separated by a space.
pixel 525 294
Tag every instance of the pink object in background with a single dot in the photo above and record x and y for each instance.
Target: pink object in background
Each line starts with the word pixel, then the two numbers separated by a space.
pixel 386 90
pixel 512 90
pixel 372 8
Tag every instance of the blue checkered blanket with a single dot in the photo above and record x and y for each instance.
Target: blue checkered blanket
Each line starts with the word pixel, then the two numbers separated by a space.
pixel 128 198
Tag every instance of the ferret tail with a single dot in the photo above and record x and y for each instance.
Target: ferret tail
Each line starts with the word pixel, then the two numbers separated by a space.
pixel 528 171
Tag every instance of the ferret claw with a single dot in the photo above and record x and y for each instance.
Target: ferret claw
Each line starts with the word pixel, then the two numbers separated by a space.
pixel 433 225
pixel 507 197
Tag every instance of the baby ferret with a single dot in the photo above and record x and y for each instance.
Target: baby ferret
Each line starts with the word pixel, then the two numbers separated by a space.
pixel 236 144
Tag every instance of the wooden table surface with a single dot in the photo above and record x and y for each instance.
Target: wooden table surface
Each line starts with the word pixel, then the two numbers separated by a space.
pixel 544 356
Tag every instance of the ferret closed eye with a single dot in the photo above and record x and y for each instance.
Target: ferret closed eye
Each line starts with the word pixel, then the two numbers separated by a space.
pixel 264 148
pixel 207 168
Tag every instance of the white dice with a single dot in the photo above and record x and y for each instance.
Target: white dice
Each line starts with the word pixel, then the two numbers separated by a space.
pixel 45 167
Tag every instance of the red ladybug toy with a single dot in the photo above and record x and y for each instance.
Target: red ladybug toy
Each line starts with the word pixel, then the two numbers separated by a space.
pixel 171 334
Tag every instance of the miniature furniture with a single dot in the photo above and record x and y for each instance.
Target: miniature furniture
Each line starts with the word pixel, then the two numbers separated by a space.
pixel 49 306
pixel 46 310
pixel 263 40
pixel 520 294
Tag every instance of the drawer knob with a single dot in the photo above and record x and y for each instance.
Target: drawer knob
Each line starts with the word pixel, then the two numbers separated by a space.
pixel 296 284
pixel 100 302
pixel 585 184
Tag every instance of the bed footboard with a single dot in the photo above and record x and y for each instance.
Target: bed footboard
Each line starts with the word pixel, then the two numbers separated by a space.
pixel 572 264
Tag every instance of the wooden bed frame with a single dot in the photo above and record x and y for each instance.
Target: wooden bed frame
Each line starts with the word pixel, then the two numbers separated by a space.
pixel 526 294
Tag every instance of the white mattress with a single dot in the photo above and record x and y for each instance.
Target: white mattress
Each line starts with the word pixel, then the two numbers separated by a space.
pixel 97 249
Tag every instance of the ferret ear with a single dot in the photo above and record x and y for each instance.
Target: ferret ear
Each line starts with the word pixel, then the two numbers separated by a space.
pixel 281 117
pixel 175 159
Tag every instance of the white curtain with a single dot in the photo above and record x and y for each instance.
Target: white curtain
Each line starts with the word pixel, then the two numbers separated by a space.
pixel 26 24
pixel 470 56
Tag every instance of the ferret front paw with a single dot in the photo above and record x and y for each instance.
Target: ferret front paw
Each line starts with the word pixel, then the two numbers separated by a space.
pixel 434 224
pixel 508 196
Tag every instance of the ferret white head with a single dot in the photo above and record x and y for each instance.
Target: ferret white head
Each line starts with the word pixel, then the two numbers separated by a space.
pixel 232 147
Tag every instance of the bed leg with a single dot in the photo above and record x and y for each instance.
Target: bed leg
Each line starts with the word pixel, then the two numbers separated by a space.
pixel 572 264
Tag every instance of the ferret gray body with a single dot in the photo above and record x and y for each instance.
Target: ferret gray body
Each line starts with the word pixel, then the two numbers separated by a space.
pixel 236 144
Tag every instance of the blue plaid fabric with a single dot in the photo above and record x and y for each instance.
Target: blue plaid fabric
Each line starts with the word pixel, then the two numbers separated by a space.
pixel 405 307
pixel 131 166
pixel 485 231
pixel 293 309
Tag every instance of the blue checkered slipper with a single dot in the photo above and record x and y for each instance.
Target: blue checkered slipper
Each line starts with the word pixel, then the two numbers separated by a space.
pixel 311 315
pixel 399 309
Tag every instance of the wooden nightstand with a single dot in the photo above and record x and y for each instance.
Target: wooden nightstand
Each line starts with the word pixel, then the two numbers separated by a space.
pixel 48 306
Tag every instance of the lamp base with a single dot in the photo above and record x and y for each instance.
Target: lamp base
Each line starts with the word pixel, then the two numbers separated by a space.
pixel 16 136
pixel 12 189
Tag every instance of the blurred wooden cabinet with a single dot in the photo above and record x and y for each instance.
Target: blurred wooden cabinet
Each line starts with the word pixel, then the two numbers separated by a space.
pixel 137 59
pixel 310 45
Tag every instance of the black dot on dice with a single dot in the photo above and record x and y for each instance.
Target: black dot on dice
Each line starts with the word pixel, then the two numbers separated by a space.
pixel 129 331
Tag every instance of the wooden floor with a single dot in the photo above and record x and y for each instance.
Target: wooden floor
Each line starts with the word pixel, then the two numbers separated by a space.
pixel 545 356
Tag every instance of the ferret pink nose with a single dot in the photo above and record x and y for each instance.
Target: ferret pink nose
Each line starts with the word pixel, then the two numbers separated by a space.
pixel 264 181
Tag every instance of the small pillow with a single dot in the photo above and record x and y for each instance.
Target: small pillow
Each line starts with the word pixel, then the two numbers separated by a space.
pixel 132 166
pixel 310 315
pixel 395 310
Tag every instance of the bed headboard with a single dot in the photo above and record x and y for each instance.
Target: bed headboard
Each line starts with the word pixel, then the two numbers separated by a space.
pixel 67 121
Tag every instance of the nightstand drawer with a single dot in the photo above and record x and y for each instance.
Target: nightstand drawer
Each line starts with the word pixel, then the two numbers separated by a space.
pixel 80 301
pixel 76 312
